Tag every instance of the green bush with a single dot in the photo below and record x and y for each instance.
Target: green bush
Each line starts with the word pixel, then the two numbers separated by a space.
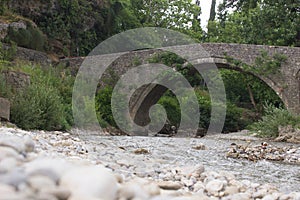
pixel 103 106
pixel 172 108
pixel 39 106
pixel 8 54
pixel 31 37
pixel 84 110
pixel 46 103
pixel 273 118
pixel 204 108
pixel 233 121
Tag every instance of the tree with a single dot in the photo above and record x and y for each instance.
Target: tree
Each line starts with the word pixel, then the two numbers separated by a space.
pixel 179 15
pixel 212 15
pixel 266 22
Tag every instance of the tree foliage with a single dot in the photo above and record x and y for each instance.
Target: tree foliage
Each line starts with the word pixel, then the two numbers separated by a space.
pixel 269 22
pixel 76 27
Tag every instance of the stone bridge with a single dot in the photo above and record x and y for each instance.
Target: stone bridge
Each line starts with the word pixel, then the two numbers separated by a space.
pixel 286 83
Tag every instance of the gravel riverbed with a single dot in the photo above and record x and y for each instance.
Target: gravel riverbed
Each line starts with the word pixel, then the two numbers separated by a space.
pixel 38 165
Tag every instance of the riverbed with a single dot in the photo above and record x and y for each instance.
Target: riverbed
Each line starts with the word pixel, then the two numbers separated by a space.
pixel 177 152
pixel 71 166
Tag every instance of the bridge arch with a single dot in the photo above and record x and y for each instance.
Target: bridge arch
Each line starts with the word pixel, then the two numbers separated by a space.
pixel 286 84
pixel 148 95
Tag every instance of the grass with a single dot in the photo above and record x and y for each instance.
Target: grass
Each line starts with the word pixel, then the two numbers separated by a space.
pixel 273 118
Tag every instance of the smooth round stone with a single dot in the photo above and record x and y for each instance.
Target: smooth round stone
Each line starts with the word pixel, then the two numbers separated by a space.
pixel 229 190
pixel 15 142
pixel 195 170
pixel 199 186
pixel 6 189
pixel 199 146
pixel 44 196
pixel 13 196
pixel 59 193
pixel 160 198
pixel 152 189
pixel 29 144
pixel 191 198
pixel 214 186
pixel 147 186
pixel 268 197
pixel 55 167
pixel 7 164
pixel 238 196
pixel 188 182
pixel 47 173
pixel 169 185
pixel 6 152
pixel 292 195
pixel 260 193
pixel 274 195
pixel 13 178
pixel 241 186
pixel 132 191
pixel 90 182
pixel 39 182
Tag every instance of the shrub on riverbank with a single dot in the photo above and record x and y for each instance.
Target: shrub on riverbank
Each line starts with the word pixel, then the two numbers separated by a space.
pixel 38 107
pixel 273 118
pixel 45 103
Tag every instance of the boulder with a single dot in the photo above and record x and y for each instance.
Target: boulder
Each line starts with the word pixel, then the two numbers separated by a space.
pixel 4 109
pixel 16 79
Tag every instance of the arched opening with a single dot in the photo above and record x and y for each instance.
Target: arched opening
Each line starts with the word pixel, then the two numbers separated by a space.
pixel 246 96
pixel 243 103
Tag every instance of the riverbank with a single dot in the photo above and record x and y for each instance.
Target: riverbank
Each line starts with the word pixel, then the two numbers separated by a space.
pixel 64 166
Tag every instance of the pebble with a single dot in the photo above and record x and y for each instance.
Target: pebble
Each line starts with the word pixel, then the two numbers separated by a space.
pixel 264 152
pixel 231 190
pixel 238 196
pixel 169 185
pixel 214 186
pixel 6 152
pixel 90 182
pixel 58 166
pixel 7 164
pixel 59 193
pixel 37 183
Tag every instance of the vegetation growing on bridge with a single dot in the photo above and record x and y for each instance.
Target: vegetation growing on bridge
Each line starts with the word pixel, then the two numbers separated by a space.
pixel 264 65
